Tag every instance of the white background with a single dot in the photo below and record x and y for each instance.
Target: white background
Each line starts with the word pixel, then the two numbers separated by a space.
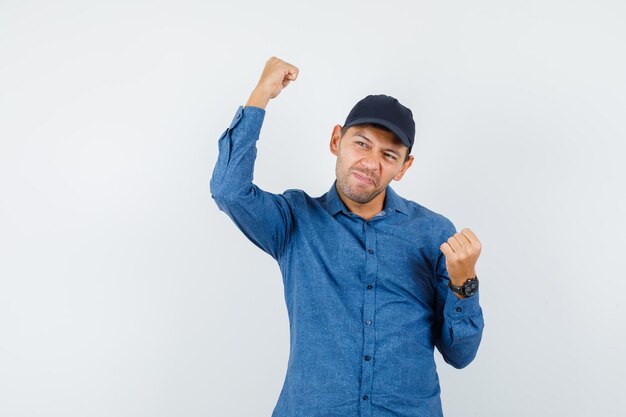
pixel 124 291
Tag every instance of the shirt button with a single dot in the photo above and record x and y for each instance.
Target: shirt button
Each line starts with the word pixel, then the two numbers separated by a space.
pixel 368 322
pixel 370 250
pixel 367 357
pixel 365 397
pixel 370 286
pixel 459 309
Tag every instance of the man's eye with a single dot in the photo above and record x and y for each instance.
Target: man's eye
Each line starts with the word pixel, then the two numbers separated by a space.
pixel 390 156
pixel 360 143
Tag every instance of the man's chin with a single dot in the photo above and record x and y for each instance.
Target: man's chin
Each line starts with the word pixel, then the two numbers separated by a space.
pixel 358 192
pixel 361 198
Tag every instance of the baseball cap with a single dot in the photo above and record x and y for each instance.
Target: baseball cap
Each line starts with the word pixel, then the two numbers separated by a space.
pixel 387 111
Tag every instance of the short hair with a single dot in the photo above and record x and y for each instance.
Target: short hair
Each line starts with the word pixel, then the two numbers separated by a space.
pixel 378 126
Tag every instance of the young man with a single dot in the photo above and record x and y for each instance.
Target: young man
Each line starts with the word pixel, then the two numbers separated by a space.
pixel 373 282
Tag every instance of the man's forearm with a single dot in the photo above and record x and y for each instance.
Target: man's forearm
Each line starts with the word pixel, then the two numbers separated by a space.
pixel 233 171
pixel 258 99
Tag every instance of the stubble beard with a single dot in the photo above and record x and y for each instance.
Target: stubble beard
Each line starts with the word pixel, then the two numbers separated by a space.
pixel 354 192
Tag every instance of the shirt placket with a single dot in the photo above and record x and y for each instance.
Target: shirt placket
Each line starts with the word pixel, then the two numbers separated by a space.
pixel 369 310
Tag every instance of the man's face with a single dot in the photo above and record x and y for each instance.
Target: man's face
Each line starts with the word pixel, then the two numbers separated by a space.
pixel 368 159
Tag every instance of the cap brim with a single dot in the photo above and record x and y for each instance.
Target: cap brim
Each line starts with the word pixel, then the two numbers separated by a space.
pixel 395 129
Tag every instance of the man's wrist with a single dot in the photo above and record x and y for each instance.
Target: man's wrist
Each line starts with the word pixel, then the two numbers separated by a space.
pixel 466 288
pixel 458 282
pixel 258 99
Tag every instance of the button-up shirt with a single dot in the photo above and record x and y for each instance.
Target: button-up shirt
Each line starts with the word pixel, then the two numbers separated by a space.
pixel 367 300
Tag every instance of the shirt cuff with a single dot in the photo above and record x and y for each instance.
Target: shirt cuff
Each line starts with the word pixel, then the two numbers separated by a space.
pixel 256 114
pixel 458 308
pixel 249 119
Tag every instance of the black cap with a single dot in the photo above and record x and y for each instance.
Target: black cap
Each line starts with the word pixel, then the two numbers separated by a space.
pixel 387 111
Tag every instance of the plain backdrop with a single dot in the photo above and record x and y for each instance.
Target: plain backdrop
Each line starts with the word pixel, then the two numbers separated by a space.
pixel 125 292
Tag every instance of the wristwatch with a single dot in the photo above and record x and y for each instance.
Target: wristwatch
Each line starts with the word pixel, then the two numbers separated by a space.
pixel 469 287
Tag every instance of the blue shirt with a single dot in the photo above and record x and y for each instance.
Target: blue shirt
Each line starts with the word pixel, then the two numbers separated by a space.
pixel 368 300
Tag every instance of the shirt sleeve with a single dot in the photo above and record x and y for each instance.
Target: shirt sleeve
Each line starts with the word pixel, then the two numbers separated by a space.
pixel 263 217
pixel 460 320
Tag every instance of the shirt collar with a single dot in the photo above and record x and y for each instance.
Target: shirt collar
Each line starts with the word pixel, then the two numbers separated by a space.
pixel 393 202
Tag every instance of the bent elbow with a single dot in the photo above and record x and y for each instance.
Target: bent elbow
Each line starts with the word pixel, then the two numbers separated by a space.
pixel 458 363
pixel 217 194
pixel 230 192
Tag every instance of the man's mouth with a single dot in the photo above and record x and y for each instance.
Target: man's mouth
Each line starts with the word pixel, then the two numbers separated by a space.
pixel 364 178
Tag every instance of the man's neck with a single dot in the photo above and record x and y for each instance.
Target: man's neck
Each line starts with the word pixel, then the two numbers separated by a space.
pixel 366 210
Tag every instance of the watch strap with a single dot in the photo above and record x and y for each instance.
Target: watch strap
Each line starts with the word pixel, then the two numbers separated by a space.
pixel 461 289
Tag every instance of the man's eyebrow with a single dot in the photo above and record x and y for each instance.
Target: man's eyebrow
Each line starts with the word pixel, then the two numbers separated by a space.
pixel 369 140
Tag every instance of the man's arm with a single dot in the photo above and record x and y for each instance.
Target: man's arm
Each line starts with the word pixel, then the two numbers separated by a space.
pixel 460 318
pixel 276 75
pixel 265 218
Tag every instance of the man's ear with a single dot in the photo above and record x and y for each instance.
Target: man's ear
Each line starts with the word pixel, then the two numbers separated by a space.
pixel 334 140
pixel 405 166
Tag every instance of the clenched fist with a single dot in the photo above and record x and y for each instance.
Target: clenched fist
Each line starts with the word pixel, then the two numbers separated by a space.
pixel 276 75
pixel 461 251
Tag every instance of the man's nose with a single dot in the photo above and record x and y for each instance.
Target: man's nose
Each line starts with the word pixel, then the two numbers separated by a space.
pixel 369 163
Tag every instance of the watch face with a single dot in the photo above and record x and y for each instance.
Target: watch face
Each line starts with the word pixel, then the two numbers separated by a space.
pixel 470 287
